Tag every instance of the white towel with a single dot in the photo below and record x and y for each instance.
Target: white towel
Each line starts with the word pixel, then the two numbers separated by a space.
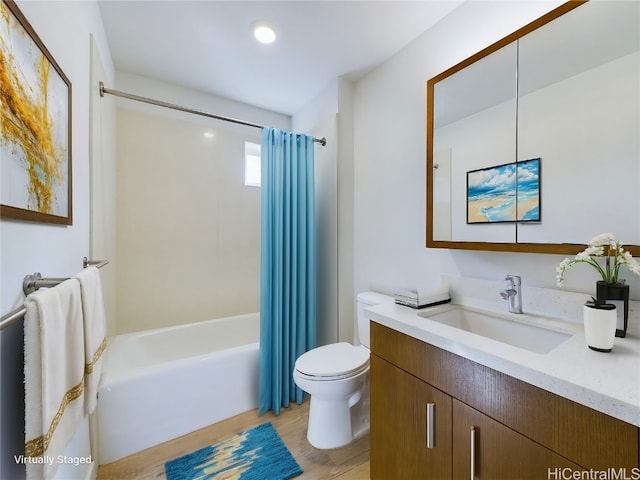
pixel 94 332
pixel 54 374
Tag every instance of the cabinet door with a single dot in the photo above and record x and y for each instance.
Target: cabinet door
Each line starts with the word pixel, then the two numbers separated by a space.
pixel 498 453
pixel 404 410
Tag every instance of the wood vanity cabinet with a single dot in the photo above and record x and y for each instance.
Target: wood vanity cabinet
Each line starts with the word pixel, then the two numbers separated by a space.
pixel 520 431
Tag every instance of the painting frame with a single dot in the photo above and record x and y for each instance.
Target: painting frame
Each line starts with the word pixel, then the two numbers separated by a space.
pixel 505 193
pixel 36 128
pixel 529 190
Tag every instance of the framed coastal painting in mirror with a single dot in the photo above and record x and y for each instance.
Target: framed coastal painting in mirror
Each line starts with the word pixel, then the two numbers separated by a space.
pixel 35 126
pixel 504 193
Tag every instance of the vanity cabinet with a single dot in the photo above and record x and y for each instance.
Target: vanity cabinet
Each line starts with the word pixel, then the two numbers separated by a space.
pixel 520 431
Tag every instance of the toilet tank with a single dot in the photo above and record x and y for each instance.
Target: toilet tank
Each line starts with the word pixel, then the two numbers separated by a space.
pixel 364 300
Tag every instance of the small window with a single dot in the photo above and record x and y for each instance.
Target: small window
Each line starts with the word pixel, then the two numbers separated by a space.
pixel 252 164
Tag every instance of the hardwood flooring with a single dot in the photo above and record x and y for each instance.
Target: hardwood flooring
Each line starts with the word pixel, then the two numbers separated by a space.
pixel 348 463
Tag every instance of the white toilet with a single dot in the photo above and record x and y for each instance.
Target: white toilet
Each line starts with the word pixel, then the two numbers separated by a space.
pixel 337 378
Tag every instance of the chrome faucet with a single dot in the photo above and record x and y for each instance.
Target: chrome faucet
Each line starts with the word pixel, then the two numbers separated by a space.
pixel 513 293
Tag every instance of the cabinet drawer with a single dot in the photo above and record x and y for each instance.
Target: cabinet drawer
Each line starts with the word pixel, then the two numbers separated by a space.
pixel 587 437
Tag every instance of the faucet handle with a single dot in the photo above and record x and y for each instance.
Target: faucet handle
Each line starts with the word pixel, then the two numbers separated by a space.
pixel 513 280
pixel 505 294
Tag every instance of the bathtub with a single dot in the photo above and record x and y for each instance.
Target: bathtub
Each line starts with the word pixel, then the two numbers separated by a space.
pixel 163 383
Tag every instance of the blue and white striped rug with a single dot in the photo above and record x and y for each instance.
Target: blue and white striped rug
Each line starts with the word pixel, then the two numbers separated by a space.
pixel 257 454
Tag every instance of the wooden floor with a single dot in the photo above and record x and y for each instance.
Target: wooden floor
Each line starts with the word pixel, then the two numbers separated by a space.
pixel 348 463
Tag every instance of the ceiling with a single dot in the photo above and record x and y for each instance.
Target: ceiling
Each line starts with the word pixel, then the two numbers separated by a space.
pixel 208 45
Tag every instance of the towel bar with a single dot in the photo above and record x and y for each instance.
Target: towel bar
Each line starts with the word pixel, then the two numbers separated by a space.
pixel 33 282
pixel 93 263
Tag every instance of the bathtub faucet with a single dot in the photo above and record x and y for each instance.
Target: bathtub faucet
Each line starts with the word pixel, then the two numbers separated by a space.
pixel 513 293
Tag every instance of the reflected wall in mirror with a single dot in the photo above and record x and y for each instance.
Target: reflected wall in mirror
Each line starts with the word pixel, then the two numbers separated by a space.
pixel 564 89
pixel 488 88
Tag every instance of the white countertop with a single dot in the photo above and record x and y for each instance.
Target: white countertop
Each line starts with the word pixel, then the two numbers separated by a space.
pixel 607 382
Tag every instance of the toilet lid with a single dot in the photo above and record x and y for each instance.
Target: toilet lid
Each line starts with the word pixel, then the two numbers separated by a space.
pixel 336 359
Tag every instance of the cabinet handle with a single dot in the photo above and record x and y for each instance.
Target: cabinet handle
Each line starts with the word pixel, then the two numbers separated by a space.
pixel 431 421
pixel 473 453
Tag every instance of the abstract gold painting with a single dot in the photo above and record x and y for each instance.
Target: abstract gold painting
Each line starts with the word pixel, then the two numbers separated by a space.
pixel 35 126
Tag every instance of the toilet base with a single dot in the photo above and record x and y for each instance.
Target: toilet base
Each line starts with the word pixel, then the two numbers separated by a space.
pixel 335 424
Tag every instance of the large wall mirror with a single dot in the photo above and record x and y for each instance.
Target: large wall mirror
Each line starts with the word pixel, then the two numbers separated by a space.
pixel 533 144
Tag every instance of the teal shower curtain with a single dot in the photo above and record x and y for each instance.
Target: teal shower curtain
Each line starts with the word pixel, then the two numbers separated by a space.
pixel 288 264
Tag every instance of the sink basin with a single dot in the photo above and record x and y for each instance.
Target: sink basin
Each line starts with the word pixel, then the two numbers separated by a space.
pixel 521 332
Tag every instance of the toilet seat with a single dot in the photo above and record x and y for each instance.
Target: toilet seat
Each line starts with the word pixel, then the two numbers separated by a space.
pixel 333 362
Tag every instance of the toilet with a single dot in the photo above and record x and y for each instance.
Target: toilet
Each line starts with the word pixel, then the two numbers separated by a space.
pixel 337 378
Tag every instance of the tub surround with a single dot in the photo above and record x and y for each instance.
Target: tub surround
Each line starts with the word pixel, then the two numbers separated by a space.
pixel 606 382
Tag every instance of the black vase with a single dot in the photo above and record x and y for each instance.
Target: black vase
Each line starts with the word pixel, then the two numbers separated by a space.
pixel 618 294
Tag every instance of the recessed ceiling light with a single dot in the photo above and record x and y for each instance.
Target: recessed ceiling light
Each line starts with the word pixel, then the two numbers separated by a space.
pixel 264 32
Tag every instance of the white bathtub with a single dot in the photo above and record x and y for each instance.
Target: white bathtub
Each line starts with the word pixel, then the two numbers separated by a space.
pixel 164 383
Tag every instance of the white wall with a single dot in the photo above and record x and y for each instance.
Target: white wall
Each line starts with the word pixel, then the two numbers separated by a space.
pixel 326 211
pixel 65 28
pixel 610 120
pixel 390 191
pixel 330 115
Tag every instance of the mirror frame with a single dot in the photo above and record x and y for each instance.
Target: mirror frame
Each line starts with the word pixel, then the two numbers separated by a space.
pixel 553 248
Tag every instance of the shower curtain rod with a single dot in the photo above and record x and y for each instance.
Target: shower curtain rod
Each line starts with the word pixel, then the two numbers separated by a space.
pixel 322 141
